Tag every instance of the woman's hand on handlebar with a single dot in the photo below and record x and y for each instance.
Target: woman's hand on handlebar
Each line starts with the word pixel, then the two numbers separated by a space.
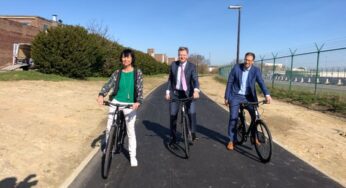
pixel 100 100
pixel 135 105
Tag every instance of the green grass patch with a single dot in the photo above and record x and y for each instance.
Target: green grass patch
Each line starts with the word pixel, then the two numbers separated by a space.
pixel 156 75
pixel 35 75
pixel 97 78
pixel 324 103
pixel 30 75
pixel 220 79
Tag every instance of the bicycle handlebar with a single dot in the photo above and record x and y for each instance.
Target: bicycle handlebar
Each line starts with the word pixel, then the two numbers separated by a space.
pixel 182 100
pixel 254 103
pixel 107 103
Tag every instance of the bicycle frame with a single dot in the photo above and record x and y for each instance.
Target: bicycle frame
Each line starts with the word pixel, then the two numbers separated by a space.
pixel 118 118
pixel 242 116
pixel 261 138
pixel 116 137
pixel 182 107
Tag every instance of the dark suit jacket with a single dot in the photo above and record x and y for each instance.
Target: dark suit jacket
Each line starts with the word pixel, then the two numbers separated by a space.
pixel 235 79
pixel 190 76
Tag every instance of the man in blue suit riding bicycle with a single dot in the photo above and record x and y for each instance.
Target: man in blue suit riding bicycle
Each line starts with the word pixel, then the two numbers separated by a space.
pixel 241 88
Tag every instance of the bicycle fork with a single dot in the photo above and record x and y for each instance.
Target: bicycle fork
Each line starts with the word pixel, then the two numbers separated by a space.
pixel 183 118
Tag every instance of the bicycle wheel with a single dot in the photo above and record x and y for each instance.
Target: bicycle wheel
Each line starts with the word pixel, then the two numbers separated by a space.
pixel 109 151
pixel 186 132
pixel 263 141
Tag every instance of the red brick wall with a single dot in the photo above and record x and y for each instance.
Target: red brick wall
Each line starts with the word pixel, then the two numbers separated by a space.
pixel 13 32
pixel 33 21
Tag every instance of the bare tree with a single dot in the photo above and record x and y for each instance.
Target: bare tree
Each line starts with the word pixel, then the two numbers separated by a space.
pixel 200 62
pixel 99 28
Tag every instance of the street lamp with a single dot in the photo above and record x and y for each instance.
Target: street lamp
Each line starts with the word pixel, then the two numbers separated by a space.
pixel 237 7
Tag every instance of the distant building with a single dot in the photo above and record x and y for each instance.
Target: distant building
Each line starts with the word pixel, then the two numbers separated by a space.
pixel 171 59
pixel 212 68
pixel 161 58
pixel 276 65
pixel 151 52
pixel 298 69
pixel 20 29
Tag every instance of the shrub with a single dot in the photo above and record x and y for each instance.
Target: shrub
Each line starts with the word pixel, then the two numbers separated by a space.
pixel 73 52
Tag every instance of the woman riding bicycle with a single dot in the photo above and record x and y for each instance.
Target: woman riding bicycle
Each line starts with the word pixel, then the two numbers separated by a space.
pixel 127 88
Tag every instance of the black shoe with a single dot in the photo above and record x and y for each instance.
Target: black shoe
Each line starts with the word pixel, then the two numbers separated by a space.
pixel 194 137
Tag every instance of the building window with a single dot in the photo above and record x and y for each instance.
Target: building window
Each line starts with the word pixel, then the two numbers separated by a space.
pixel 45 27
pixel 25 23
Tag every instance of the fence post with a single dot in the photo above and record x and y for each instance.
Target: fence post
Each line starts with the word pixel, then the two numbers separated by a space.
pixel 291 72
pixel 317 66
pixel 274 57
pixel 262 58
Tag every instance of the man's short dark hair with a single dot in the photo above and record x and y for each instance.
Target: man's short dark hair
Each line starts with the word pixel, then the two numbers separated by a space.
pixel 251 54
pixel 183 49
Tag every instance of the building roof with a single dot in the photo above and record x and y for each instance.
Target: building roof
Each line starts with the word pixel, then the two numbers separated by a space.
pixel 23 16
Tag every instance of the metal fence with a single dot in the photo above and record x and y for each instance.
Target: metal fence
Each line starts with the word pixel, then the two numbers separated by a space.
pixel 321 72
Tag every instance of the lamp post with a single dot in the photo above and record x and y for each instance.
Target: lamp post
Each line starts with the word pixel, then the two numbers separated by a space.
pixel 237 7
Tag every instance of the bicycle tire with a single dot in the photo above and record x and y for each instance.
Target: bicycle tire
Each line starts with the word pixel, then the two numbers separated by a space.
pixel 263 137
pixel 109 151
pixel 185 131
pixel 240 132
pixel 121 136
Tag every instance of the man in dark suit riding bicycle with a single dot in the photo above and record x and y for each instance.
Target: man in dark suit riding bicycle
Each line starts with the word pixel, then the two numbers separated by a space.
pixel 182 83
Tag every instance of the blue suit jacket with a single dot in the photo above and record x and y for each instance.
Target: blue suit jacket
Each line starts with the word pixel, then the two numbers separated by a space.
pixel 190 76
pixel 235 79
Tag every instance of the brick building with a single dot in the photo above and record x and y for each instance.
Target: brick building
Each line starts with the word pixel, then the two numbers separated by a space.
pixel 151 52
pixel 19 29
pixel 171 59
pixel 163 58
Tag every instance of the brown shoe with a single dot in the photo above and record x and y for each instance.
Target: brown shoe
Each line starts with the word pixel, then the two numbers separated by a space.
pixel 255 141
pixel 230 146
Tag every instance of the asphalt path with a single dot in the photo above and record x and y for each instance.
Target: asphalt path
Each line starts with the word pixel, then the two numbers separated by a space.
pixel 210 164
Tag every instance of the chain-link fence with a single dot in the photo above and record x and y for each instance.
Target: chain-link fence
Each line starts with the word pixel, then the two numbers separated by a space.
pixel 321 72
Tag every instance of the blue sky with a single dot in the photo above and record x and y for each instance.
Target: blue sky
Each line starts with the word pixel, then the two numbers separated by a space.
pixel 205 26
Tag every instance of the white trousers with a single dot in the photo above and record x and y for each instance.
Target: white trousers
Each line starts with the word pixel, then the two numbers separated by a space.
pixel 130 118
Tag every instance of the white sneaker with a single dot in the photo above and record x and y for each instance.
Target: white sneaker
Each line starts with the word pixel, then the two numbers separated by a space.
pixel 133 161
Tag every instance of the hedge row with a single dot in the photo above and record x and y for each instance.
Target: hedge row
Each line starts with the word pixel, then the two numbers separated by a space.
pixel 73 52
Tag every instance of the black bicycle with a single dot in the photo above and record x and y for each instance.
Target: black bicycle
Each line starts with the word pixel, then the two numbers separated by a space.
pixel 184 124
pixel 116 136
pixel 259 131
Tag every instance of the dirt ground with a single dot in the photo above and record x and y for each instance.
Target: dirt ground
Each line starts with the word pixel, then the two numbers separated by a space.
pixel 48 128
pixel 315 137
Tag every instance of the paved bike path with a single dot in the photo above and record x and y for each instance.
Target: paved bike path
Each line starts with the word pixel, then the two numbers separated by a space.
pixel 210 164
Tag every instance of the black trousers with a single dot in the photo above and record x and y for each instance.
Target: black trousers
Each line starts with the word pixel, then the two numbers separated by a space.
pixel 174 109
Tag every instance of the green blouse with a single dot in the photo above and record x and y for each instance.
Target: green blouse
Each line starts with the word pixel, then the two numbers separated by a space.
pixel 126 87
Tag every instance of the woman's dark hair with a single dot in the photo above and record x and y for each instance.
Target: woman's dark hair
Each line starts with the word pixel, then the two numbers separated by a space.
pixel 250 54
pixel 127 53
